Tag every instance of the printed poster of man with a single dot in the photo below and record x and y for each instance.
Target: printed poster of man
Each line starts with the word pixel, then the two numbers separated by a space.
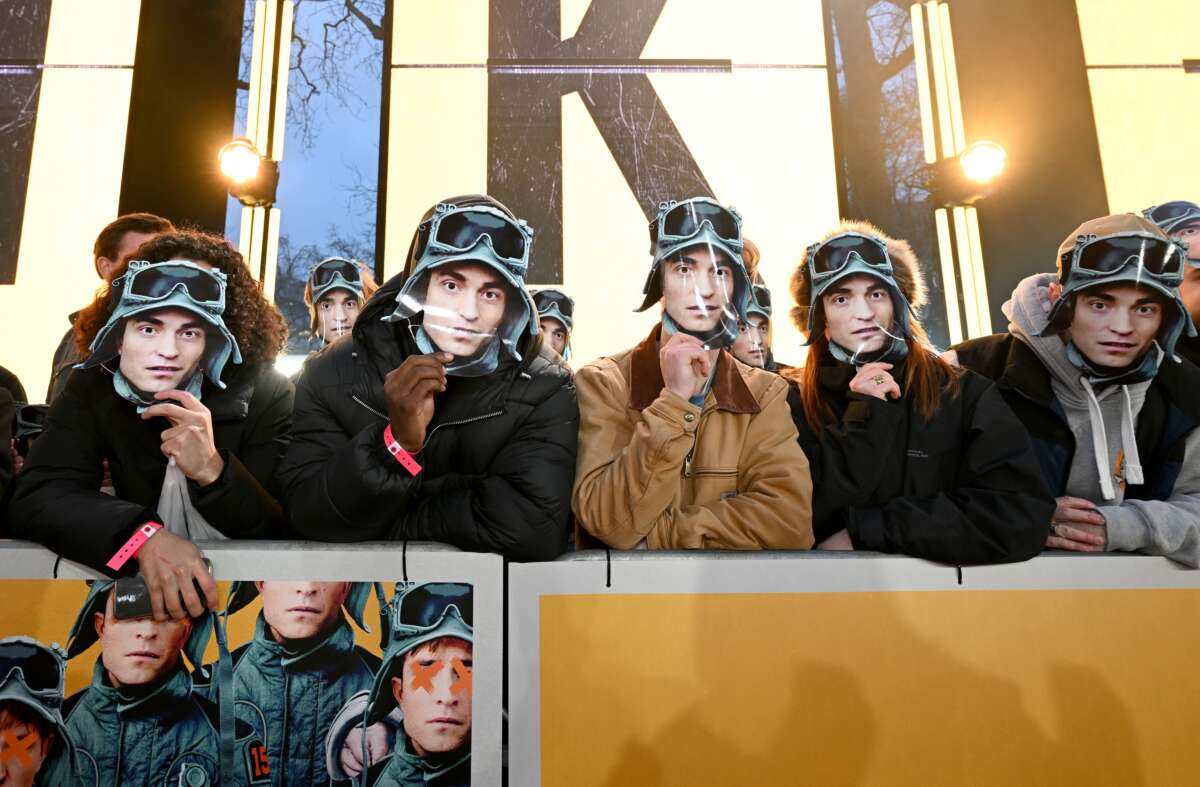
pixel 324 678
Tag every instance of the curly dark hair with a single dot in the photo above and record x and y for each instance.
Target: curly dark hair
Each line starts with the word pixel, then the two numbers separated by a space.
pixel 254 321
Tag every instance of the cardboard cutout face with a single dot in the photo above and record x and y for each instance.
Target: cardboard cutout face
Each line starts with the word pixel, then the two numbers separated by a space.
pixel 1113 326
pixel 697 287
pixel 161 349
pixel 337 311
pixel 464 306
pixel 859 313
pixel 753 341
pixel 554 334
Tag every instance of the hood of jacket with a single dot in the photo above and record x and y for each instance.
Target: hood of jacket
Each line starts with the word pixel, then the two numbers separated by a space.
pixel 1108 412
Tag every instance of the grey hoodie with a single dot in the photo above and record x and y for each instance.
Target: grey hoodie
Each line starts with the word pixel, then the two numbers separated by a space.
pixel 1106 454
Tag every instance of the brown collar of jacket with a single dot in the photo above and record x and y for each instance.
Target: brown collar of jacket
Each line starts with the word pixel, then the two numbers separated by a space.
pixel 646 380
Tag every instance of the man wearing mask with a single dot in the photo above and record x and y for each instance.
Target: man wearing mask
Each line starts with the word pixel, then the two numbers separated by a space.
pixel 442 418
pixel 680 446
pixel 1089 367
pixel 556 318
pixel 114 245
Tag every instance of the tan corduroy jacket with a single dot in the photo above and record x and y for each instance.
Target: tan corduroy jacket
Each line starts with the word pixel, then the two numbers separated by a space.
pixel 654 470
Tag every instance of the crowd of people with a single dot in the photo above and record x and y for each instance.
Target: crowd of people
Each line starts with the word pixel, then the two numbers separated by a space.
pixel 442 407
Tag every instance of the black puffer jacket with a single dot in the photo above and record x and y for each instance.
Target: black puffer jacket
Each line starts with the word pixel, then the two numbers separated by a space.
pixel 963 488
pixel 1168 415
pixel 1189 347
pixel 57 500
pixel 498 462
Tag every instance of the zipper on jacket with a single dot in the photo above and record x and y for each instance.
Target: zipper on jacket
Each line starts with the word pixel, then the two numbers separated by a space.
pixel 459 422
pixel 484 417
pixel 369 407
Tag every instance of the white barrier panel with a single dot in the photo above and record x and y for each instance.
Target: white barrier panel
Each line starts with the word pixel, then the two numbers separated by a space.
pixel 303 586
pixel 817 668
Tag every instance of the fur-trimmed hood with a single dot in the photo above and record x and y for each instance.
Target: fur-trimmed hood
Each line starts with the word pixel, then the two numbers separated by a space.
pixel 906 269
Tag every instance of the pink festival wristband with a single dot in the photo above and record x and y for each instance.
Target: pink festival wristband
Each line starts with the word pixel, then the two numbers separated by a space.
pixel 131 547
pixel 403 457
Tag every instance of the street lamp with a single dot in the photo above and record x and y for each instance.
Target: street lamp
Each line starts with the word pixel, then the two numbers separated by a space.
pixel 251 178
pixel 968 177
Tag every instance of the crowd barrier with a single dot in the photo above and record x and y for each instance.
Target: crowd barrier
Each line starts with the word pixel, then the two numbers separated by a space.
pixel 649 668
pixel 658 668
pixel 43 594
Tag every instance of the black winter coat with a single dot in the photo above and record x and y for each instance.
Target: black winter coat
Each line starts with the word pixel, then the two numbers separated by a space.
pixel 1169 414
pixel 57 500
pixel 1189 347
pixel 497 466
pixel 963 488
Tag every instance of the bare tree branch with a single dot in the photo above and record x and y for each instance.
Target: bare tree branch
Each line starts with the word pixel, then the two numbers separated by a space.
pixel 374 29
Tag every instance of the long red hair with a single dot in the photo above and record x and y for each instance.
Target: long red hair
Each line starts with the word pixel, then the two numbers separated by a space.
pixel 926 378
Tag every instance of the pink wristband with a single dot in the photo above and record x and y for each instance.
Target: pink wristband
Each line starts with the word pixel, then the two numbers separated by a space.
pixel 403 457
pixel 131 547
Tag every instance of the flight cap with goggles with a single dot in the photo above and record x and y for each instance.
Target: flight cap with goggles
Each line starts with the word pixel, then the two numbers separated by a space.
pixel 335 273
pixel 1114 250
pixel 175 284
pixel 419 615
pixel 847 253
pixel 471 229
pixel 700 222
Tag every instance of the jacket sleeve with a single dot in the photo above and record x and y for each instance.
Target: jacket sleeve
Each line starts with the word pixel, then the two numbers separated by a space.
pixel 998 511
pixel 521 507
pixel 624 482
pixel 844 457
pixel 338 487
pixel 1170 527
pixel 242 501
pixel 57 500
pixel 773 505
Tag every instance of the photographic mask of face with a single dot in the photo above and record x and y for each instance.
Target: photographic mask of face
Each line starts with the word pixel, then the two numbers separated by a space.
pixel 464 307
pixel 1113 326
pixel 162 349
pixel 859 313
pixel 698 288
pixel 337 311
pixel 753 341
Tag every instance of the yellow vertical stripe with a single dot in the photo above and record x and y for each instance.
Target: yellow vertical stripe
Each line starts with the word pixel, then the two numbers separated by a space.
pixel 924 97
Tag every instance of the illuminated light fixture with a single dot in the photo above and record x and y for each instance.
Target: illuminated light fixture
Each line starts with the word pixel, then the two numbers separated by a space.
pixel 251 178
pixel 982 161
pixel 968 177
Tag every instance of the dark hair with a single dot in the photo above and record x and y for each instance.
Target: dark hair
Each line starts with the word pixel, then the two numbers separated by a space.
pixel 109 239
pixel 255 323
pixel 13 713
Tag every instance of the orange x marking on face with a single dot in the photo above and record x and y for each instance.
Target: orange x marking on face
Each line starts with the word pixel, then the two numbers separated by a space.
pixel 462 677
pixel 18 747
pixel 423 676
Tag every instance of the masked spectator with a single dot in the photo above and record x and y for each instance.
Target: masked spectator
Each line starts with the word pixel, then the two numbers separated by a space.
pixel 680 446
pixel 442 418
pixel 179 371
pixel 1089 366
